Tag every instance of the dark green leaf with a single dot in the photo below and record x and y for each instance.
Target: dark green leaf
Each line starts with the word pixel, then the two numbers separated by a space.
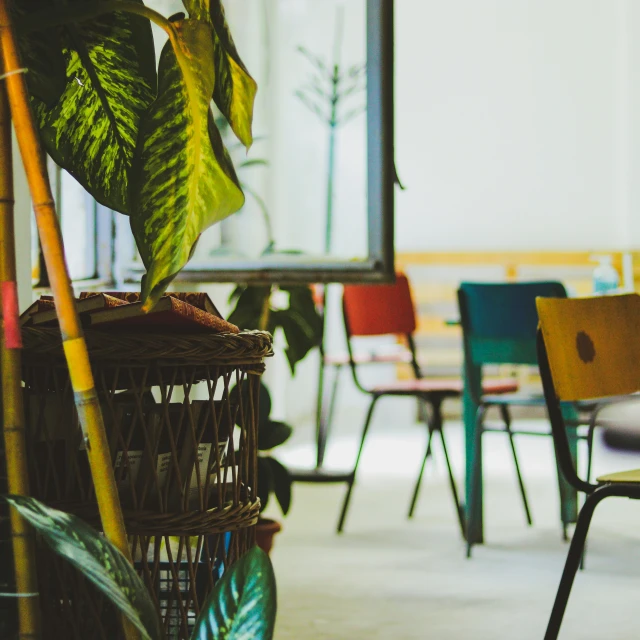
pixel 298 341
pixel 301 301
pixel 41 54
pixel 242 605
pixel 96 558
pixel 264 404
pixel 185 181
pixel 250 305
pixel 266 481
pixel 253 162
pixel 281 484
pixel 272 434
pixel 301 323
pixel 91 130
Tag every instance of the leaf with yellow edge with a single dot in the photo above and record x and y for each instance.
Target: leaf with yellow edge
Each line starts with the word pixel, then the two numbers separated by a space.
pixel 235 90
pixel 184 180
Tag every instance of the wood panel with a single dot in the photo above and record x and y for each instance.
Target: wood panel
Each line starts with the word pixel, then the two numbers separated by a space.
pixel 435 277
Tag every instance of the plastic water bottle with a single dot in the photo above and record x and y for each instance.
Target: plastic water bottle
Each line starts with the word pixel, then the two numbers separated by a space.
pixel 605 278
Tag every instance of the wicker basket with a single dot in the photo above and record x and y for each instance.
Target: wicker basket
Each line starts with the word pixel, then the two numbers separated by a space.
pixel 186 476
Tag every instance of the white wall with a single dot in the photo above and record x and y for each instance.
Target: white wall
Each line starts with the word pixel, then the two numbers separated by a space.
pixel 508 124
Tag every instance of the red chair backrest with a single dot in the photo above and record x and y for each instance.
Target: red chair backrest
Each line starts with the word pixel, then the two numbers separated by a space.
pixel 379 309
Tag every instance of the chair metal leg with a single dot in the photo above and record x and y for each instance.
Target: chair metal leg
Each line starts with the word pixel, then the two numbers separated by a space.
pixel 504 411
pixel 452 482
pixel 590 432
pixel 416 491
pixel 471 498
pixel 326 419
pixel 352 480
pixel 573 561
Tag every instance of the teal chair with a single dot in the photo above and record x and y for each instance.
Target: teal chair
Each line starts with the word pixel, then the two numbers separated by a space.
pixel 499 325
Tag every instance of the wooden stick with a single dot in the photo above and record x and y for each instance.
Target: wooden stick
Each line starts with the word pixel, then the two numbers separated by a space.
pixel 12 407
pixel 75 348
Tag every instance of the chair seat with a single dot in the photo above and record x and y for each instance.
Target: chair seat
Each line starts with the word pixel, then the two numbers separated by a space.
pixel 519 399
pixel 389 357
pixel 443 386
pixel 622 476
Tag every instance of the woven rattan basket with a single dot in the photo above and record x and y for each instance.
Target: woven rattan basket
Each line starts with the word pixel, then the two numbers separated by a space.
pixel 185 473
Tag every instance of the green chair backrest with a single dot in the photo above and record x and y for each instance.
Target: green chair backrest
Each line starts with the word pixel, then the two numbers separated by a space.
pixel 500 320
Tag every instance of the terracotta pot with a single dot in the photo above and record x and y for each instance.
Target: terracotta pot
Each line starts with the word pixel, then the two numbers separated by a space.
pixel 265 530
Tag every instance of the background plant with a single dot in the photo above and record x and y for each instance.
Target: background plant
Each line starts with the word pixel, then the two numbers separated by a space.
pixel 273 477
pixel 141 139
pixel 327 90
pixel 242 604
pixel 256 308
pixel 302 328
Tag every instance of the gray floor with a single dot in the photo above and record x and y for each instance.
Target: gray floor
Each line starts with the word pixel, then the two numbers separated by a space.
pixel 387 577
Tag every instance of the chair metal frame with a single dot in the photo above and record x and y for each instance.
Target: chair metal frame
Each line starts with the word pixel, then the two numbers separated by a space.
pixel 430 398
pixel 482 350
pixel 595 493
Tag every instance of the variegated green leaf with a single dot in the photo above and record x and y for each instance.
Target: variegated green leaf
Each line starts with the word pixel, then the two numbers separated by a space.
pixel 185 181
pixel 91 131
pixel 96 558
pixel 242 605
pixel 41 54
pixel 235 90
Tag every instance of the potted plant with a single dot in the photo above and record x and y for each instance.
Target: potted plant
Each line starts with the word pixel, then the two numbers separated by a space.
pixel 139 137
pixel 273 477
pixel 141 140
pixel 241 605
pixel 263 307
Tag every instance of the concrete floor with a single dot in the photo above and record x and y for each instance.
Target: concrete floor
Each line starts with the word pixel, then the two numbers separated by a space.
pixel 387 577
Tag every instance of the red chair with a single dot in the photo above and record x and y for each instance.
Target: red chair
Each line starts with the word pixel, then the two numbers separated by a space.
pixel 377 310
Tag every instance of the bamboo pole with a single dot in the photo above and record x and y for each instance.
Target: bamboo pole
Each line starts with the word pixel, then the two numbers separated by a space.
pixel 12 407
pixel 75 348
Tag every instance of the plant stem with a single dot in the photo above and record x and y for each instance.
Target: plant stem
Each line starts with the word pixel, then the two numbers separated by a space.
pixel 266 311
pixel 73 342
pixel 44 20
pixel 12 408
pixel 262 205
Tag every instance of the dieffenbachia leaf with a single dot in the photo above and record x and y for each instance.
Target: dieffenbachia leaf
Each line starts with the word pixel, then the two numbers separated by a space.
pixel 235 90
pixel 41 54
pixel 96 558
pixel 91 130
pixel 242 605
pixel 185 181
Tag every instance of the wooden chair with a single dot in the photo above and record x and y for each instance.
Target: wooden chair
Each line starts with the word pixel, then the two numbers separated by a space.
pixel 588 349
pixel 379 310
